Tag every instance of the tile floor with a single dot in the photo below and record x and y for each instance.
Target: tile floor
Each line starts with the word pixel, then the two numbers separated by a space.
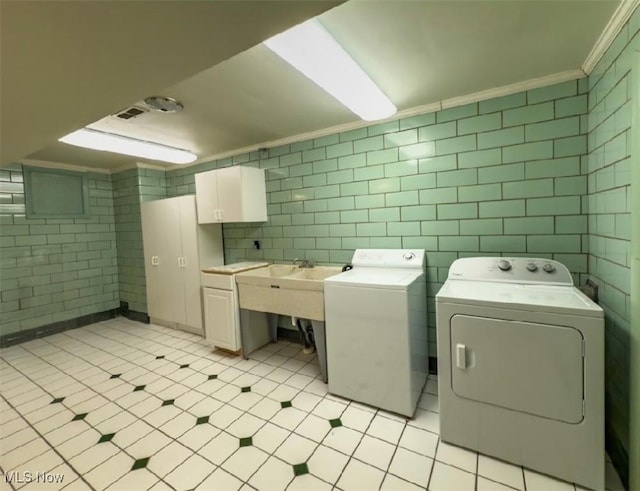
pixel 123 405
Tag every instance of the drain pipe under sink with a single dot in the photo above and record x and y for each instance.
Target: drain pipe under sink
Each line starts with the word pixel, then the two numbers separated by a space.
pixel 306 335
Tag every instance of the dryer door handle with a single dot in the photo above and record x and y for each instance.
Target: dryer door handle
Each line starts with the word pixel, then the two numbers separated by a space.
pixel 461 356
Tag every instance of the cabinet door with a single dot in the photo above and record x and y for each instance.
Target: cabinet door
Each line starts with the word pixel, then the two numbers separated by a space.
pixel 220 319
pixel 190 263
pixel 207 197
pixel 230 194
pixel 150 241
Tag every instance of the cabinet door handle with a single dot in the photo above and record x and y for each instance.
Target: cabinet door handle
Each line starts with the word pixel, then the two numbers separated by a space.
pixel 184 262
pixel 219 215
pixel 155 260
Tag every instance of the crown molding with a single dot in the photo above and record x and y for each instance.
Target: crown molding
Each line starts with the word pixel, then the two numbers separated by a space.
pixel 143 165
pixel 60 165
pixel 534 83
pixel 611 30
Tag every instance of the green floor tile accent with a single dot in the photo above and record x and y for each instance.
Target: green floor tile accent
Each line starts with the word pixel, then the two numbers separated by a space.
pixel 284 404
pixel 139 387
pixel 106 438
pixel 57 400
pixel 186 365
pixel 335 423
pixel 159 357
pixel 246 442
pixel 202 420
pixel 79 417
pixel 140 463
pixel 168 402
pixel 246 389
pixel 116 375
pixel 212 377
pixel 300 469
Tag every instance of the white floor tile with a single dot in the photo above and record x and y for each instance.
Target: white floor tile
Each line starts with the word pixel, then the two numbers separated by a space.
pixel 198 436
pixel 274 475
pixel 484 484
pixel 148 445
pixel 296 449
pixel 429 402
pixel 374 451
pixel 246 425
pixel 167 459
pixel 179 425
pixel 327 464
pixel 205 407
pixel 427 420
pixel 459 457
pixel 306 401
pixel 447 478
pixel 190 473
pixel 283 393
pixel 419 441
pixel 360 477
pixel 265 409
pixel 308 482
pixel 270 437
pixel 314 428
pixel 138 479
pixel 328 409
pixel 356 418
pixel 220 448
pixel 79 443
pixel 393 483
pixel 501 472
pixel 245 400
pixel 385 429
pixel 244 462
pixel 411 466
pixel 343 439
pixel 538 482
pixel 93 457
pixel 224 417
pixel 220 480
pixel 288 418
pixel 109 471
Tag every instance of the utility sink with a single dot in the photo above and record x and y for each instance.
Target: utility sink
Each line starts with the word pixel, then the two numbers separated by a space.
pixel 284 289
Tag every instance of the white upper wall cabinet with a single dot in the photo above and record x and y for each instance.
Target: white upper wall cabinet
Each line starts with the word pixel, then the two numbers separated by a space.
pixel 232 194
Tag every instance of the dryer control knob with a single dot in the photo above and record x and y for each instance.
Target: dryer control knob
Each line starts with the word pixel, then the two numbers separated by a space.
pixel 409 256
pixel 504 265
pixel 532 267
pixel 549 268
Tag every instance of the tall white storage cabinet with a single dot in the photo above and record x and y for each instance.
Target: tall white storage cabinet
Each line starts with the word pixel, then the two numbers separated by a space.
pixel 176 248
pixel 232 194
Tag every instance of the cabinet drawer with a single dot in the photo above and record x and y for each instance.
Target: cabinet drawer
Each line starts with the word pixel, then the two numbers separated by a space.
pixel 220 281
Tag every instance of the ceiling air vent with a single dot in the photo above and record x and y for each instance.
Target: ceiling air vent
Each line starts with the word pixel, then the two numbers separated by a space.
pixel 130 113
pixel 163 104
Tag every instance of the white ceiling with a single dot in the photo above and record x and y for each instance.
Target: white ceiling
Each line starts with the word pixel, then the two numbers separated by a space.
pixel 418 52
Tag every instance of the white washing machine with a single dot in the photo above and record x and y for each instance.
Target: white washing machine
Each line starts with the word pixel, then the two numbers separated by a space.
pixel 521 366
pixel 376 329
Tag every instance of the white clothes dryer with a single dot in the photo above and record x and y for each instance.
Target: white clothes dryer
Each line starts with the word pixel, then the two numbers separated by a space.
pixel 521 366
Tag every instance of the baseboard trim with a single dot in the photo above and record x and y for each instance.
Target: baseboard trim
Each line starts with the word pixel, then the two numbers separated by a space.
pixel 13 338
pixel 618 454
pixel 136 316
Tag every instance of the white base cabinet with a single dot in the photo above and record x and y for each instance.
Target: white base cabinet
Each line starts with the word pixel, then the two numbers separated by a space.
pixel 176 248
pixel 221 318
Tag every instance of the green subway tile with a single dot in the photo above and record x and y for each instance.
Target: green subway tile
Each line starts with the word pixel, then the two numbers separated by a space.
pixel 505 244
pixel 304 243
pixel 435 164
pixel 570 185
pixel 478 124
pixel 464 210
pixel 404 198
pixel 291 159
pixel 528 151
pixel 382 156
pixel 314 155
pixel 325 166
pixel 340 176
pixel 318 230
pixel 458 112
pixel 527 189
pixel 301 170
pixel 368 173
pixel 325 141
pixel 455 145
pixel 569 205
pixel 528 114
pixel 482 192
pixel 416 151
pixel 277 220
pixel 406 137
pixel 354 216
pixel 528 225
pixel 572 224
pixel 340 257
pixel 415 121
pixel 354 188
pixel 368 144
pixel 356 134
pixel 575 145
pixel 346 203
pixel 480 158
pixel 280 197
pixel 437 131
pixel 569 166
pixel 577 263
pixel 403 228
pixel 302 219
pixel 564 89
pixel 351 161
pixel 314 180
pixel 501 138
pixel 438 195
pixel 440 227
pixel 483 226
pixel 356 243
pixel 371 229
pixel 46 229
pixel 504 102
pixel 457 178
pixel 296 231
pixel 384 215
pixel 384 185
pixel 422 212
pixel 404 168
pixel 427 243
pixel 339 150
pixel 571 106
pixel 329 242
pixel 370 201
pixel 554 243
pixel 382 128
pixel 28 240
pixel 385 242
pixel 558 128
pixel 420 181
pixel 458 243
pixel 291 183
pixel 506 208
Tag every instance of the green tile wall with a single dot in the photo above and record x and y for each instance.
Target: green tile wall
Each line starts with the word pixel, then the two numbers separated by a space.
pixel 609 205
pixel 499 177
pixel 55 269
pixel 130 188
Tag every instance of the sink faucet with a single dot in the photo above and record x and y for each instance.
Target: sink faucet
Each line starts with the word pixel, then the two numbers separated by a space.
pixel 304 263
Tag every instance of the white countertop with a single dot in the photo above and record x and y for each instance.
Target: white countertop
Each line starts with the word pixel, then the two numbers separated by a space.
pixel 235 267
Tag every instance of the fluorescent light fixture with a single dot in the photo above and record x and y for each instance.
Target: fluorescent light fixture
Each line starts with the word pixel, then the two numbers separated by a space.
pixel 108 142
pixel 311 50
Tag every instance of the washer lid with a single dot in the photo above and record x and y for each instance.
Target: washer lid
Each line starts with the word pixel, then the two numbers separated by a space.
pixel 235 267
pixel 376 278
pixel 546 298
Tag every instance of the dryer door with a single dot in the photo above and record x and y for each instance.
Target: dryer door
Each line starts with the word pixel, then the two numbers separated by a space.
pixel 527 367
